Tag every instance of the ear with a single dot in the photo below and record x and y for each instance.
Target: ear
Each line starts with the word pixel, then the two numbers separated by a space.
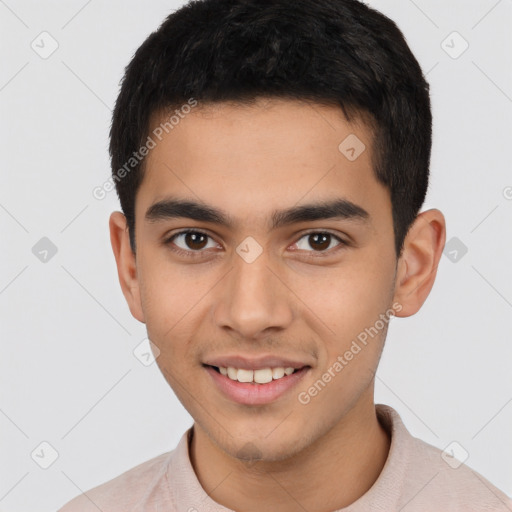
pixel 126 265
pixel 417 266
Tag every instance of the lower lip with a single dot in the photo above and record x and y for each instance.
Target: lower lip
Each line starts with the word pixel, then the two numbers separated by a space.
pixel 256 394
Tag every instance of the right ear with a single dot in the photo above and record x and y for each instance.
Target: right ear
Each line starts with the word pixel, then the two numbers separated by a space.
pixel 126 265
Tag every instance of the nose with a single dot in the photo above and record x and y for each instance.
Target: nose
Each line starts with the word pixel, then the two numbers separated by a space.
pixel 253 301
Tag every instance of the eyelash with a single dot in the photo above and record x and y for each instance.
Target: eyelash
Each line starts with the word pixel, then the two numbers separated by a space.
pixel 195 254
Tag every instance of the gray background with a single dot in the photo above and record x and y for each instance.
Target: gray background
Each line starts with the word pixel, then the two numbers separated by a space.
pixel 68 373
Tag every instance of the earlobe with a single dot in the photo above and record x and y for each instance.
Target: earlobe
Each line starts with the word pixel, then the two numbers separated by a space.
pixel 126 265
pixel 417 267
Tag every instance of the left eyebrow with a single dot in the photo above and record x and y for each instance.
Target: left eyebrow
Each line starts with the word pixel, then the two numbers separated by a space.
pixel 343 209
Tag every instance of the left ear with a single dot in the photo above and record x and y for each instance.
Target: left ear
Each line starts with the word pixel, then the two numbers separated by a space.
pixel 417 266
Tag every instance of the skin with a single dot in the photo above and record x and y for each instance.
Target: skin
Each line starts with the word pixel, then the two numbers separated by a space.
pixel 291 301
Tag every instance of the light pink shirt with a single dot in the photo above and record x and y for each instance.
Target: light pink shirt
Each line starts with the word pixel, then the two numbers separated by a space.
pixel 415 478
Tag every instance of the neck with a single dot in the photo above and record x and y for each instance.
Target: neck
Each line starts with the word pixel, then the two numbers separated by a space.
pixel 344 464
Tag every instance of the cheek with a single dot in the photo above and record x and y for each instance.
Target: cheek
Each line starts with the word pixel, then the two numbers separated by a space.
pixel 172 297
pixel 350 303
pixel 166 291
pixel 340 303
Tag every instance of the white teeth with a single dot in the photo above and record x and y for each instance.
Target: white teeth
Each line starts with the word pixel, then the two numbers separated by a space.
pixel 262 376
pixel 245 375
pixel 277 373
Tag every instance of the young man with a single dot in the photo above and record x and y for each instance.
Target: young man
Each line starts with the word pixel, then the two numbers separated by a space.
pixel 271 159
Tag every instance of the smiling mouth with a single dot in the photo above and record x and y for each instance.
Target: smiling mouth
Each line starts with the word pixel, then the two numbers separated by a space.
pixel 257 377
pixel 256 387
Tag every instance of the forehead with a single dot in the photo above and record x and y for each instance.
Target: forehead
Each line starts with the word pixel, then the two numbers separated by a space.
pixel 251 159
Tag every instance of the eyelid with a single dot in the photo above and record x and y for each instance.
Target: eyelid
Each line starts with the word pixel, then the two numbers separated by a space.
pixel 327 231
pixel 168 240
pixel 342 242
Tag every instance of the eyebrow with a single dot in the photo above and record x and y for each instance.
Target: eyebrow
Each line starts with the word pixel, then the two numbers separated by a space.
pixel 171 208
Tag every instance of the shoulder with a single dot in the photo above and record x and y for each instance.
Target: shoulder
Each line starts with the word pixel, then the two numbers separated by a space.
pixel 134 487
pixel 435 479
pixel 439 476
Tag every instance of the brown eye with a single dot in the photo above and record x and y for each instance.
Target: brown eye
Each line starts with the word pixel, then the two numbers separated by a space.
pixel 320 241
pixel 195 240
pixel 189 241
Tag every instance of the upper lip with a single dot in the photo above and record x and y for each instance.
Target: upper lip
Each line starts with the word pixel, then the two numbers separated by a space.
pixel 254 363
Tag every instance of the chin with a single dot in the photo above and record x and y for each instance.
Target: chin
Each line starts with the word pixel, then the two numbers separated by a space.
pixel 251 451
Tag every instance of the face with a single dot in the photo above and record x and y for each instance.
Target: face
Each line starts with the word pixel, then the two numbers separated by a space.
pixel 265 289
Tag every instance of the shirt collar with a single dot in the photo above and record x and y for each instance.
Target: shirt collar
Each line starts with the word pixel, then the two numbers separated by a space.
pixel 189 496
